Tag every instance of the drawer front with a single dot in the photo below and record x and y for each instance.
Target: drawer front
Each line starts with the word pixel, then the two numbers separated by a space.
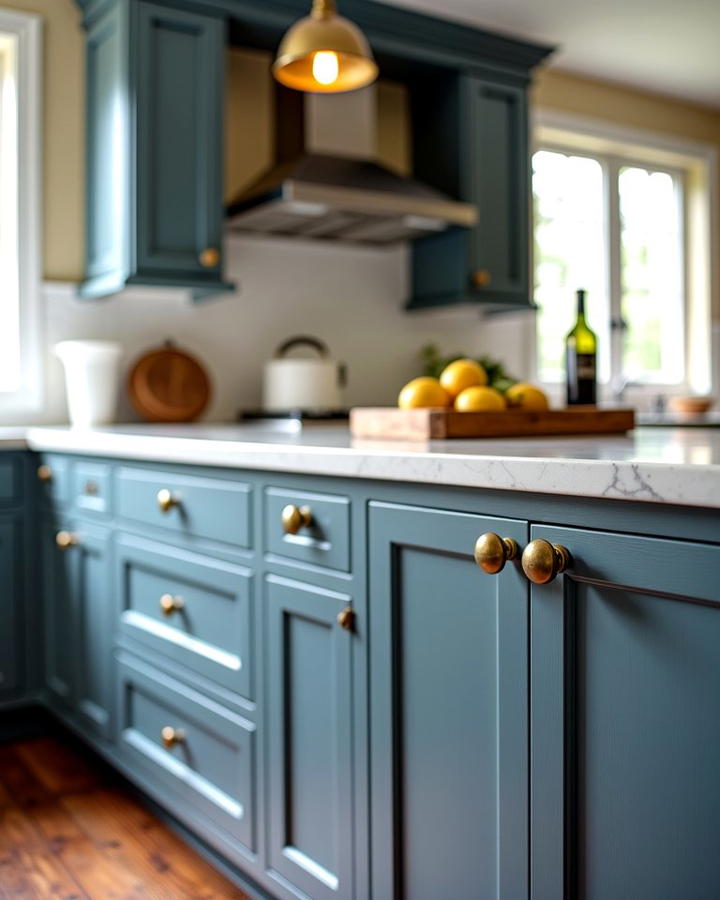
pixel 325 541
pixel 215 509
pixel 10 480
pixel 212 764
pixel 195 610
pixel 91 487
pixel 53 474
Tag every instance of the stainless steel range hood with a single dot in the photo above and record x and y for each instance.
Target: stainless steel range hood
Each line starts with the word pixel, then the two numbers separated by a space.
pixel 331 188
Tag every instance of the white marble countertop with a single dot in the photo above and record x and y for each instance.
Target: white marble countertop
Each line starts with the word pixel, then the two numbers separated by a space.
pixel 12 437
pixel 657 465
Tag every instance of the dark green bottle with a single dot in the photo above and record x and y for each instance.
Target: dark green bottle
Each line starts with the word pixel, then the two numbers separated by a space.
pixel 581 359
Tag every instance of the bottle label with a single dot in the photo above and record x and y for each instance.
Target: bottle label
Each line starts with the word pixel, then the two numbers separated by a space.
pixel 585 365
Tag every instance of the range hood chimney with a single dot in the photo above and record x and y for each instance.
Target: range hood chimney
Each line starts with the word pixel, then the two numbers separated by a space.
pixel 327 184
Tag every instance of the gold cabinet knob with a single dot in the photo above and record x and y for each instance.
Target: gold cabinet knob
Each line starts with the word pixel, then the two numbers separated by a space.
pixel 493 551
pixel 481 278
pixel 170 604
pixel 346 618
pixel 166 500
pixel 172 736
pixel 209 258
pixel 91 488
pixel 66 539
pixel 542 561
pixel 296 517
pixel 44 473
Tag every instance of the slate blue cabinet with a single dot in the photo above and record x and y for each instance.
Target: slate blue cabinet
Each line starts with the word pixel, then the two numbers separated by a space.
pixel 448 700
pixel 77 594
pixel 474 143
pixel 154 147
pixel 310 750
pixel 625 681
pixel 12 657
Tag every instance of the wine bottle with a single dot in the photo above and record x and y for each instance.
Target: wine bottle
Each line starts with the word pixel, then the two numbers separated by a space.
pixel 581 359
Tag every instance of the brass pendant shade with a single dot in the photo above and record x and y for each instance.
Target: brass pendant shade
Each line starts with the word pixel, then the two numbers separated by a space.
pixel 325 54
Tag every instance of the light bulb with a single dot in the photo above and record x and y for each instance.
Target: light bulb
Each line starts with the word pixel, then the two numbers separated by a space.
pixel 326 67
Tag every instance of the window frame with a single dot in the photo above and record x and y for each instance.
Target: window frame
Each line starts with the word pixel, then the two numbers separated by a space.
pixel 615 147
pixel 26 28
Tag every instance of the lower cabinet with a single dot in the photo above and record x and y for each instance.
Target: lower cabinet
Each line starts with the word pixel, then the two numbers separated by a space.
pixel 309 741
pixel 11 637
pixel 625 722
pixel 449 709
pixel 77 600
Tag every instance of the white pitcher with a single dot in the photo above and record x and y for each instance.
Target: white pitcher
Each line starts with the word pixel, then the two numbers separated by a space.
pixel 92 370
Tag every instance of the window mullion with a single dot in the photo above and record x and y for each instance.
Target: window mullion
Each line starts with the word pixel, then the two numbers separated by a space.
pixel 614 234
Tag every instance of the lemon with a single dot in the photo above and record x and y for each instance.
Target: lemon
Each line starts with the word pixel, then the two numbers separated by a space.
pixel 480 399
pixel 461 374
pixel 527 396
pixel 424 392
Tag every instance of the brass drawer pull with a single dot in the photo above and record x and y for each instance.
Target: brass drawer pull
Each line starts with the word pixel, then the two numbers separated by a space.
pixel 171 737
pixel 44 473
pixel 493 551
pixel 91 488
pixel 346 618
pixel 296 517
pixel 170 604
pixel 209 258
pixel 66 539
pixel 166 500
pixel 481 278
pixel 542 561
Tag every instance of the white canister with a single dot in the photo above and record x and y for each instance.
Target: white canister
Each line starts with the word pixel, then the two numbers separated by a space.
pixel 302 383
pixel 92 377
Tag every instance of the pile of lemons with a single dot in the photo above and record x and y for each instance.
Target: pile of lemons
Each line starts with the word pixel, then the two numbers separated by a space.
pixel 463 385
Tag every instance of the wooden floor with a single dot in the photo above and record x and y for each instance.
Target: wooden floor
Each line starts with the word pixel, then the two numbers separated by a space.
pixel 70 830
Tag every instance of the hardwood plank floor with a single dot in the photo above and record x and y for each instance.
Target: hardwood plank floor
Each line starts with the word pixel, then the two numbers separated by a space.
pixel 69 830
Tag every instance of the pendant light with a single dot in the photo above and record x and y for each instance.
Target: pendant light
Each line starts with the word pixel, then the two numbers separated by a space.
pixel 325 54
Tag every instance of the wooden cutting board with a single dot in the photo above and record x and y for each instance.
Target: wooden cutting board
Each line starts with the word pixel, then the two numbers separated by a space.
pixel 440 424
pixel 169 385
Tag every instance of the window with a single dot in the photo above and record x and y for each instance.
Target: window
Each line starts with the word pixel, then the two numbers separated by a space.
pixel 19 214
pixel 611 216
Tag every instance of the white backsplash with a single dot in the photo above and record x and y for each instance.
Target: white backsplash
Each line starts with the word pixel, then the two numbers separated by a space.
pixel 351 298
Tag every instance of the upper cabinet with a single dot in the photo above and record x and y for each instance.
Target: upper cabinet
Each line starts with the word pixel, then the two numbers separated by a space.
pixel 154 148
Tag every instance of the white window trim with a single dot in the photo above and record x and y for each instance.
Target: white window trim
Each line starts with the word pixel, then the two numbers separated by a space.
pixel 610 139
pixel 27 29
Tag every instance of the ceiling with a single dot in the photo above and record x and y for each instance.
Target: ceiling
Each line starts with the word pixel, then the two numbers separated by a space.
pixel 667 46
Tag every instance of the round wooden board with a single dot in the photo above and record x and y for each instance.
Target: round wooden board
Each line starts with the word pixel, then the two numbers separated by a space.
pixel 169 385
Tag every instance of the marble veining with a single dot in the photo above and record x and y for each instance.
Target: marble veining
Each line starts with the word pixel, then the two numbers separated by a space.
pixel 655 465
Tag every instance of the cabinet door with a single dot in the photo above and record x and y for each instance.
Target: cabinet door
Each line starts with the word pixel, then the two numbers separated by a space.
pixel 625 725
pixel 59 579
pixel 11 643
pixel 93 628
pixel 180 78
pixel 499 183
pixel 448 697
pixel 309 739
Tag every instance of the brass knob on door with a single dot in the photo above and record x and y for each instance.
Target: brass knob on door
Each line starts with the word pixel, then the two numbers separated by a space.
pixel 542 561
pixel 66 539
pixel 170 604
pixel 172 736
pixel 44 473
pixel 346 618
pixel 209 258
pixel 493 551
pixel 481 278
pixel 296 517
pixel 166 500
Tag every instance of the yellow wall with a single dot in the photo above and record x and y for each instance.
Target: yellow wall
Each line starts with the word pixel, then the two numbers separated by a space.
pixel 64 136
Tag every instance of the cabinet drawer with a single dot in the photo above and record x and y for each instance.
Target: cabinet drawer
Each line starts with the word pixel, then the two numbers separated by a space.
pixel 211 763
pixel 53 474
pixel 91 486
pixel 324 541
pixel 193 609
pixel 10 481
pixel 215 509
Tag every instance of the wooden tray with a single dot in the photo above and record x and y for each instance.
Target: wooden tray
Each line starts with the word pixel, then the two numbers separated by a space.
pixel 439 424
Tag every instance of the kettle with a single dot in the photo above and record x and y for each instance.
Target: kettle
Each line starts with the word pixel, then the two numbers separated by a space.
pixel 309 384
